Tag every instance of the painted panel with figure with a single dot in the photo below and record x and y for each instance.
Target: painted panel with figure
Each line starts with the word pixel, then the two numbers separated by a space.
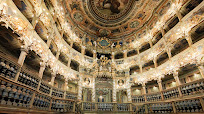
pixel 111 7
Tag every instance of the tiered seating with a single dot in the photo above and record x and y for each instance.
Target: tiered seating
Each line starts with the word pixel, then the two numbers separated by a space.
pixel 174 93
pixel 41 102
pixel 57 93
pixel 45 88
pixel 193 88
pixel 72 96
pixel 13 95
pixel 138 99
pixel 8 69
pixel 188 106
pixel 28 80
pixel 161 108
pixel 154 97
pixel 123 107
pixel 105 107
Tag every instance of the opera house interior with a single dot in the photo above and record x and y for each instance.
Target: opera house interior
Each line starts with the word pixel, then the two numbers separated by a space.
pixel 101 56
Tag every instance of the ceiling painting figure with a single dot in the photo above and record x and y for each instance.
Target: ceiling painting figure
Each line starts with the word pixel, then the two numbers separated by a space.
pixel 111 7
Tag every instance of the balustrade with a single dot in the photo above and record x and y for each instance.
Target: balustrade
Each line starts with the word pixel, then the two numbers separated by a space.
pixel 44 88
pixel 134 108
pixel 69 105
pixel 154 97
pixel 62 106
pixel 89 106
pixel 171 93
pixel 123 107
pixel 138 99
pixel 105 106
pixel 189 106
pixel 57 93
pixel 8 69
pixel 70 95
pixel 14 95
pixel 141 110
pixel 193 88
pixel 41 102
pixel 58 105
pixel 28 79
pixel 161 108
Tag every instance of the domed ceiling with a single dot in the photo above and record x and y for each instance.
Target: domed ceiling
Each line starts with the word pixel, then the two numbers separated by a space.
pixel 114 19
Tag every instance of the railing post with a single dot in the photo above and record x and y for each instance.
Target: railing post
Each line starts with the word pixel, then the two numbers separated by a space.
pixel 32 100
pixel 130 107
pixel 174 108
pixel 144 91
pixel 202 102
pixel 50 92
pixel 64 97
pixel 115 107
pixel 50 104
pixel 96 106
pixel 146 109
pixel 39 83
pixel 82 106
pixel 74 106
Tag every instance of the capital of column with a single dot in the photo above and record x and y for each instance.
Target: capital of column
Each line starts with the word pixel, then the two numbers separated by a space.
pixel 42 64
pixel 175 73
pixel 94 51
pixel 23 49
pixel 53 74
pixel 113 53
pixel 143 85
pixel 83 47
pixel 159 80
pixel 21 59
pixel 124 51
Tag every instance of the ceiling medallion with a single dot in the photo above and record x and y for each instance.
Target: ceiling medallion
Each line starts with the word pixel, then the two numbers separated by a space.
pixel 78 17
pixel 104 42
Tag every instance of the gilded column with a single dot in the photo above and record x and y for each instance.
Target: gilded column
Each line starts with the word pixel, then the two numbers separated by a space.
pixel 94 54
pixel 40 74
pixel 53 76
pixel 159 81
pixel 58 54
pixel 93 91
pixel 65 87
pixel 21 60
pixel 114 90
pixel 80 89
pixel 144 91
pixel 178 83
pixel 201 69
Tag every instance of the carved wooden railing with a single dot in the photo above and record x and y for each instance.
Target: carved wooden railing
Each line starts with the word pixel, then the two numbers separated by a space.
pixel 181 106
pixel 111 107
